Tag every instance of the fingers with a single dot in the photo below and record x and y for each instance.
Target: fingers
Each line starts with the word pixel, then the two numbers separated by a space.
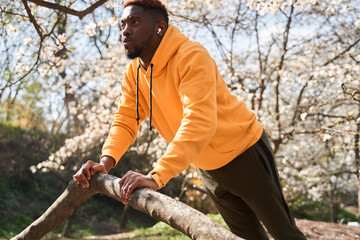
pixel 83 176
pixel 86 167
pixel 133 180
pixel 83 181
pixel 97 168
pixel 127 185
pixel 130 188
pixel 123 187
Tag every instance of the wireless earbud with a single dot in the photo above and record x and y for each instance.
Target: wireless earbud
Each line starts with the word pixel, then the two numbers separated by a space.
pixel 159 31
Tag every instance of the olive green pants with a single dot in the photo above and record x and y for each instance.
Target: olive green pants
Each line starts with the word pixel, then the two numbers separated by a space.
pixel 247 190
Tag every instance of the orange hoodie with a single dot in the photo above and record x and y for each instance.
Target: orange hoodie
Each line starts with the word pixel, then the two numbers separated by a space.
pixel 192 108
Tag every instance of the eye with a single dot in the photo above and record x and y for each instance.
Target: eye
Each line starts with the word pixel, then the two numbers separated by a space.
pixel 133 22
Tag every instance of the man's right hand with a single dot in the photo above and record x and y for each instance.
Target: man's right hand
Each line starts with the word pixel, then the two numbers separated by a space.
pixel 88 169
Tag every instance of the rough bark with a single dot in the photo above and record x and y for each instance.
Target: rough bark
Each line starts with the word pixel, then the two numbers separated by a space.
pixel 161 207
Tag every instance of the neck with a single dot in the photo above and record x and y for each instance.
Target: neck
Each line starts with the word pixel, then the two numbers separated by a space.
pixel 145 60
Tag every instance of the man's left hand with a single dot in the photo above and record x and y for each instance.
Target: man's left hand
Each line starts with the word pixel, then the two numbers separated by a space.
pixel 132 180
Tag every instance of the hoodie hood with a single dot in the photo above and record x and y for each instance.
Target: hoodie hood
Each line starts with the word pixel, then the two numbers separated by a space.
pixel 168 46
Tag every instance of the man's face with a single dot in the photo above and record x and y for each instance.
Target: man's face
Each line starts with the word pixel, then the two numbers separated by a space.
pixel 138 31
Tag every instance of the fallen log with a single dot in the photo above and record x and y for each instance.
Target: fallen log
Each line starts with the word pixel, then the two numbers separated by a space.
pixel 159 206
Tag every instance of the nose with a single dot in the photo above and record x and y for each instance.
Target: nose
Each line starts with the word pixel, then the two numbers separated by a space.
pixel 126 31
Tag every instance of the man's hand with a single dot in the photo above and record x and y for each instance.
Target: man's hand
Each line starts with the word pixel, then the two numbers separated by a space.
pixel 88 169
pixel 132 180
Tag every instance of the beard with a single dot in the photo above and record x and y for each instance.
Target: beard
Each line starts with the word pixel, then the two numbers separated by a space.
pixel 135 53
pixel 138 49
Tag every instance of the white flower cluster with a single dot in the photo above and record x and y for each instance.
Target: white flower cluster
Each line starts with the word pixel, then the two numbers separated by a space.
pixel 273 6
pixel 314 172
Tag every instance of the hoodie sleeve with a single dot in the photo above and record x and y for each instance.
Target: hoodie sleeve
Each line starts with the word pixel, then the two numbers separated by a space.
pixel 197 88
pixel 124 127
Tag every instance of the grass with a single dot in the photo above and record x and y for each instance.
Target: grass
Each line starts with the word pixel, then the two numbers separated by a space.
pixel 162 231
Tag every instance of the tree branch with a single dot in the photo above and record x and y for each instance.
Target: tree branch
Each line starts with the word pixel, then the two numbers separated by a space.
pixel 342 53
pixel 161 207
pixel 286 34
pixel 68 10
pixel 33 21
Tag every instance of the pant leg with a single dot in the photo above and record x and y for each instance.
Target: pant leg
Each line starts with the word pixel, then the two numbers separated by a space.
pixel 279 228
pixel 252 177
pixel 241 220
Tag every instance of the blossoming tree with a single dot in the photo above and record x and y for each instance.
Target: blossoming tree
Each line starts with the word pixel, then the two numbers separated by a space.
pixel 295 63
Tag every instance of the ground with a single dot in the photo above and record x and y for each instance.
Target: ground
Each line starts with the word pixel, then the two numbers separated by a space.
pixel 313 230
pixel 327 231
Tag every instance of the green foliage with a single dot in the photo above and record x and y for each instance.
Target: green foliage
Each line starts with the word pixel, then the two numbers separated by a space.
pixel 24 196
pixel 22 148
pixel 313 210
pixel 160 231
pixel 348 216
pixel 14 225
pixel 20 204
pixel 319 211
pixel 217 218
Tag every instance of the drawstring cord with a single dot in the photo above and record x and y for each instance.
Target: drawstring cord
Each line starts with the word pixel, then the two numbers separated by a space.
pixel 137 96
pixel 150 115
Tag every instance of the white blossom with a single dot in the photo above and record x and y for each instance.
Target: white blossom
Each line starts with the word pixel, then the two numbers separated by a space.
pixel 90 29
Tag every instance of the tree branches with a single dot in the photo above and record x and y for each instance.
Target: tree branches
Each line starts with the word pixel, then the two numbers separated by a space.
pixel 352 92
pixel 42 32
pixel 68 10
pixel 33 21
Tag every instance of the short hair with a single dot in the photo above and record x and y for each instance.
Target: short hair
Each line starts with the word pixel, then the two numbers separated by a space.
pixel 154 5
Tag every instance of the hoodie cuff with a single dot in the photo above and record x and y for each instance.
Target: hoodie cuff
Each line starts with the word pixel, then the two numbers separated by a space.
pixel 157 179
pixel 163 174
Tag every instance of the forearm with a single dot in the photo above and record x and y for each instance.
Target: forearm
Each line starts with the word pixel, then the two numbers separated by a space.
pixel 108 162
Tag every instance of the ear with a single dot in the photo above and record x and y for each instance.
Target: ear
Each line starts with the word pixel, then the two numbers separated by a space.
pixel 161 28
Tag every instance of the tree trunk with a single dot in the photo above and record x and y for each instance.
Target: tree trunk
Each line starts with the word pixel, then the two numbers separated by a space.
pixel 335 212
pixel 161 207
pixel 124 217
pixel 67 228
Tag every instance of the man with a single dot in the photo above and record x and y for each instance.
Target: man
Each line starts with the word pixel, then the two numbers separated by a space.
pixel 176 83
